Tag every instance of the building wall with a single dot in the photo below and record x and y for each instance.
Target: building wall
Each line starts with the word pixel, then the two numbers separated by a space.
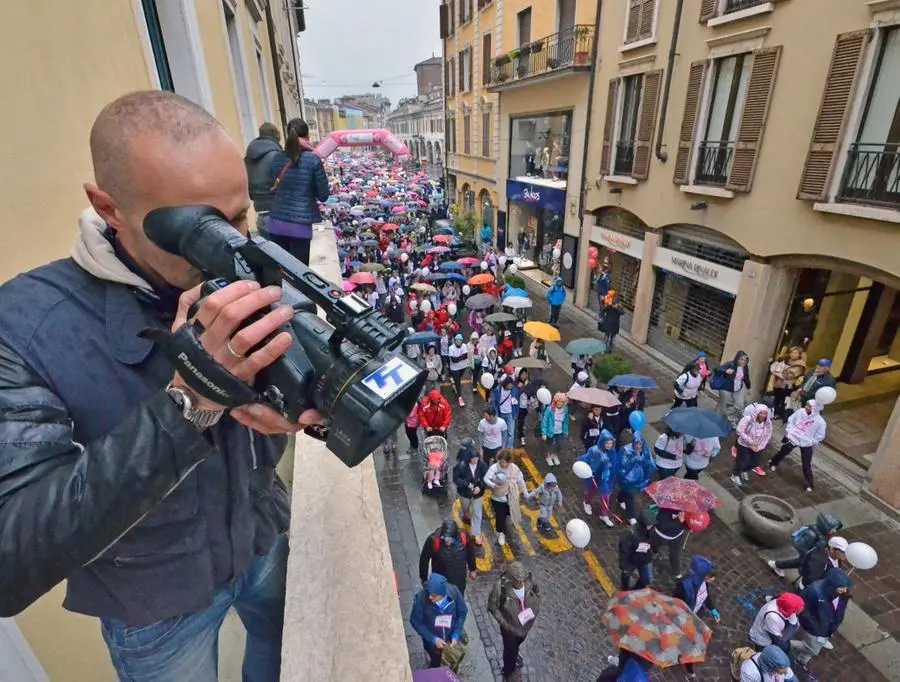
pixel 428 76
pixel 544 17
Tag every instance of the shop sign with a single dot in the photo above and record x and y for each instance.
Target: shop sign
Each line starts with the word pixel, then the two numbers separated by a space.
pixel 550 198
pixel 699 270
pixel 618 242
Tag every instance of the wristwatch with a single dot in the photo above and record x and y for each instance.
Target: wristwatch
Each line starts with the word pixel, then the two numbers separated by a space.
pixel 202 419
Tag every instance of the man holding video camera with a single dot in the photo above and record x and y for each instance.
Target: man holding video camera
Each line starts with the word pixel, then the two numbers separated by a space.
pixel 160 509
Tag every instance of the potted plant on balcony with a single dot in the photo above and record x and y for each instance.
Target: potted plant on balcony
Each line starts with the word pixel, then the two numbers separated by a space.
pixel 582 53
pixel 500 72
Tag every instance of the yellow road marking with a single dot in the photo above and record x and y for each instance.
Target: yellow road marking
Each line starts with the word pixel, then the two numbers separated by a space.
pixel 484 562
pixel 558 543
pixel 489 514
pixel 597 571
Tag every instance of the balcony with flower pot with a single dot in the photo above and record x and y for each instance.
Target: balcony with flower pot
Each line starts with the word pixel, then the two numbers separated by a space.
pixel 560 55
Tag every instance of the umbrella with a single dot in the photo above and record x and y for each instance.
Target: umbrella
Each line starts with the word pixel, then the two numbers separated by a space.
pixel 367 235
pixel 697 422
pixel 682 494
pixel 442 239
pixel 355 264
pixel 510 292
pixel 658 628
pixel 457 277
pixel 421 339
pixel 542 330
pixel 451 266
pixel 632 381
pixel 362 278
pixel 593 396
pixel 421 286
pixel 437 276
pixel 527 363
pixel 439 249
pixel 373 267
pixel 586 346
pixel 398 210
pixel 445 230
pixel 369 243
pixel 390 227
pixel 480 301
pixel 483 278
pixel 348 286
pixel 468 261
pixel 516 302
pixel 500 317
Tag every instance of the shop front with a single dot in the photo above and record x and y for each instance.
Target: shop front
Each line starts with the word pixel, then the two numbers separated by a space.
pixel 620 254
pixel 535 224
pixel 693 298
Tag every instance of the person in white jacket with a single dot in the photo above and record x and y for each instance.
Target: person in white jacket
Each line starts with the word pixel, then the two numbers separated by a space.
pixel 687 386
pixel 805 429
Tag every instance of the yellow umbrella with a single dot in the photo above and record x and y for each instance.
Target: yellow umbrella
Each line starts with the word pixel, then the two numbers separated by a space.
pixel 421 286
pixel 542 330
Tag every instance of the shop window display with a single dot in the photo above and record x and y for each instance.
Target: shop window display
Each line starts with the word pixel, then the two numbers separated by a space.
pixel 539 148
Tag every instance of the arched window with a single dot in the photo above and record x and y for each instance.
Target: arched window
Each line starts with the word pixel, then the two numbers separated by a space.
pixel 487 208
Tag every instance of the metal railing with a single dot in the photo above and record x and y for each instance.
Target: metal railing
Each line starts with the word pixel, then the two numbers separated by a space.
pixel 713 162
pixel 872 174
pixel 571 47
pixel 624 157
pixel 738 5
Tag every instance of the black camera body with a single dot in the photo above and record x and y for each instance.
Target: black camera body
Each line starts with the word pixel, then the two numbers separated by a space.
pixel 344 365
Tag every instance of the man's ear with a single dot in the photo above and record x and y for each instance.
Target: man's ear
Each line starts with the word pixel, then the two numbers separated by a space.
pixel 105 205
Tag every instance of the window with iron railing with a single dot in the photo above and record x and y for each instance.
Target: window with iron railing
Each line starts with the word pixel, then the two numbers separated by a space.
pixel 872 169
pixel 631 87
pixel 738 5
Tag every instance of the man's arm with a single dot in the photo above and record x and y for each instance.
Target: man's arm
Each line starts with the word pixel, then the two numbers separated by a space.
pixel 425 557
pixel 63 503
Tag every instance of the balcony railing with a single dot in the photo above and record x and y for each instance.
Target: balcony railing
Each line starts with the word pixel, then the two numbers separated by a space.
pixel 624 157
pixel 738 5
pixel 872 174
pixel 570 48
pixel 713 162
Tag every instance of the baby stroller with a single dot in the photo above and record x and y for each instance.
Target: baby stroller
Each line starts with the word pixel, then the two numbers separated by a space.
pixel 436 465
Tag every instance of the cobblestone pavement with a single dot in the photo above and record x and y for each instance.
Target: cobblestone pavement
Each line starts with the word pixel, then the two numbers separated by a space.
pixel 568 642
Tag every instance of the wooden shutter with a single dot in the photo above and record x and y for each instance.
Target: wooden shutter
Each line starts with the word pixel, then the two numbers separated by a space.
pixel 708 10
pixel 686 134
pixel 445 22
pixel 486 58
pixel 460 68
pixel 608 126
pixel 643 142
pixel 633 28
pixel 843 76
pixel 471 71
pixel 648 9
pixel 753 118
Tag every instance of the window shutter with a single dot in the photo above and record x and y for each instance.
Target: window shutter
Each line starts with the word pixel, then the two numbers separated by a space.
pixel 461 70
pixel 753 119
pixel 634 21
pixel 445 22
pixel 648 9
pixel 686 135
pixel 608 126
pixel 708 10
pixel 643 142
pixel 471 72
pixel 843 74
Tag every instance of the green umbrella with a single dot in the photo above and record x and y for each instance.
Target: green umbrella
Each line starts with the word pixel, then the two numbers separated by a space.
pixel 586 346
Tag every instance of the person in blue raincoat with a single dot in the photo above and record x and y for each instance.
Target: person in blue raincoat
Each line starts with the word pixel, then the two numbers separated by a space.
pixel 487 238
pixel 635 472
pixel 556 296
pixel 604 462
pixel 438 616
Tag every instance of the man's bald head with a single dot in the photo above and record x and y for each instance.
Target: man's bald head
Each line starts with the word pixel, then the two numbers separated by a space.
pixel 167 118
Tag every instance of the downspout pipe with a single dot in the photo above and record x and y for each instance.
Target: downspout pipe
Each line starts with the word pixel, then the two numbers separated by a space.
pixel 276 65
pixel 663 156
pixel 582 197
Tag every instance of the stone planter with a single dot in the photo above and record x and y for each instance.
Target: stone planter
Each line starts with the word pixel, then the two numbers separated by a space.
pixel 768 520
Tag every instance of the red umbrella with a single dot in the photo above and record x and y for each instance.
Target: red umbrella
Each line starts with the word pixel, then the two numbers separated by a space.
pixel 468 260
pixel 683 495
pixel 390 227
pixel 362 278
pixel 442 239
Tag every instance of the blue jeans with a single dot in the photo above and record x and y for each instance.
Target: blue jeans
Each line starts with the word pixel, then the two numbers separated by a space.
pixel 186 647
pixel 510 429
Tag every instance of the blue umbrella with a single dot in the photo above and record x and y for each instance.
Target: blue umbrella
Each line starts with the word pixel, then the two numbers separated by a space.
pixel 445 230
pixel 355 263
pixel 451 266
pixel 512 291
pixel 458 277
pixel 632 381
pixel 697 422
pixel 421 339
pixel 385 203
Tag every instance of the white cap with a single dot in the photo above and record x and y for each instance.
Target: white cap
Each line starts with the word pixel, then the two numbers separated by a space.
pixel 840 544
pixel 582 377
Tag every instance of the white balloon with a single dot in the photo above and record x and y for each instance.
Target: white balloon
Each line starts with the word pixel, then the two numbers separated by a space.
pixel 826 395
pixel 404 257
pixel 426 306
pixel 556 253
pixel 513 268
pixel 582 470
pixel 578 533
pixel 543 395
pixel 502 260
pixel 414 305
pixel 423 230
pixel 425 272
pixel 467 289
pixel 451 308
pixel 484 265
pixel 487 380
pixel 859 554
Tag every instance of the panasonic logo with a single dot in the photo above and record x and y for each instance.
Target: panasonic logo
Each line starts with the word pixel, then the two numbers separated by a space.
pixel 206 381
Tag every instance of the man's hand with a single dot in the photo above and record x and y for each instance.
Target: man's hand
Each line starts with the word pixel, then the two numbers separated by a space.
pixel 729 371
pixel 472 575
pixel 439 643
pixel 476 490
pixel 220 315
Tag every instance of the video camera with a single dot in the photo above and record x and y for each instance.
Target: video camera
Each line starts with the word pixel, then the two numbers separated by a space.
pixel 343 366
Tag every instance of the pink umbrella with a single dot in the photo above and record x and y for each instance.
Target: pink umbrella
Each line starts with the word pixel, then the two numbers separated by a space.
pixel 348 286
pixel 468 260
pixel 439 249
pixel 399 209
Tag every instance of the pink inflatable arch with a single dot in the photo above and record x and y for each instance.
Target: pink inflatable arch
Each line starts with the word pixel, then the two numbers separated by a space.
pixel 362 138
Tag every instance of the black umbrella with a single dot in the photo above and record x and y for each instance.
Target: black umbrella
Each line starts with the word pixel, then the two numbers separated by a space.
pixel 480 301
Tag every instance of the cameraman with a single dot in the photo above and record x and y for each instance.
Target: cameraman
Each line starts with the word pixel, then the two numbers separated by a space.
pixel 161 511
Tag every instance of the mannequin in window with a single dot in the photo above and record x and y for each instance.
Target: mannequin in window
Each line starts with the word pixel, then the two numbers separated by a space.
pixel 545 161
pixel 529 159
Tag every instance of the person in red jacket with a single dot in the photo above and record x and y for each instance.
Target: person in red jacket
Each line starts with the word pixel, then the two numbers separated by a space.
pixel 435 414
pixel 506 347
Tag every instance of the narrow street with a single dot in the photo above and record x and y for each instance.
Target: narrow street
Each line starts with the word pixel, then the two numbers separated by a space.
pixel 568 642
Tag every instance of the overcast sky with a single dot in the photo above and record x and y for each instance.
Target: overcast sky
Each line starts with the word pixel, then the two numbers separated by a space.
pixel 349 44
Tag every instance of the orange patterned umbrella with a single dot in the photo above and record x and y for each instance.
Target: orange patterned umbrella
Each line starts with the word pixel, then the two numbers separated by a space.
pixel 481 279
pixel 656 627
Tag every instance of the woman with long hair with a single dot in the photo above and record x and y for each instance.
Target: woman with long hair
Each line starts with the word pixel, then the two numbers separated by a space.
pixel 299 186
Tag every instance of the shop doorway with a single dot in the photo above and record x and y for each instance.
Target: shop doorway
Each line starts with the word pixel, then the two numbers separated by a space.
pixel 624 271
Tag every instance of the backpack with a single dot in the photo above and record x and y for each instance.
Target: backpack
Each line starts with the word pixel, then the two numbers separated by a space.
pixel 462 537
pixel 738 656
pixel 804 539
pixel 718 382
pixel 632 673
